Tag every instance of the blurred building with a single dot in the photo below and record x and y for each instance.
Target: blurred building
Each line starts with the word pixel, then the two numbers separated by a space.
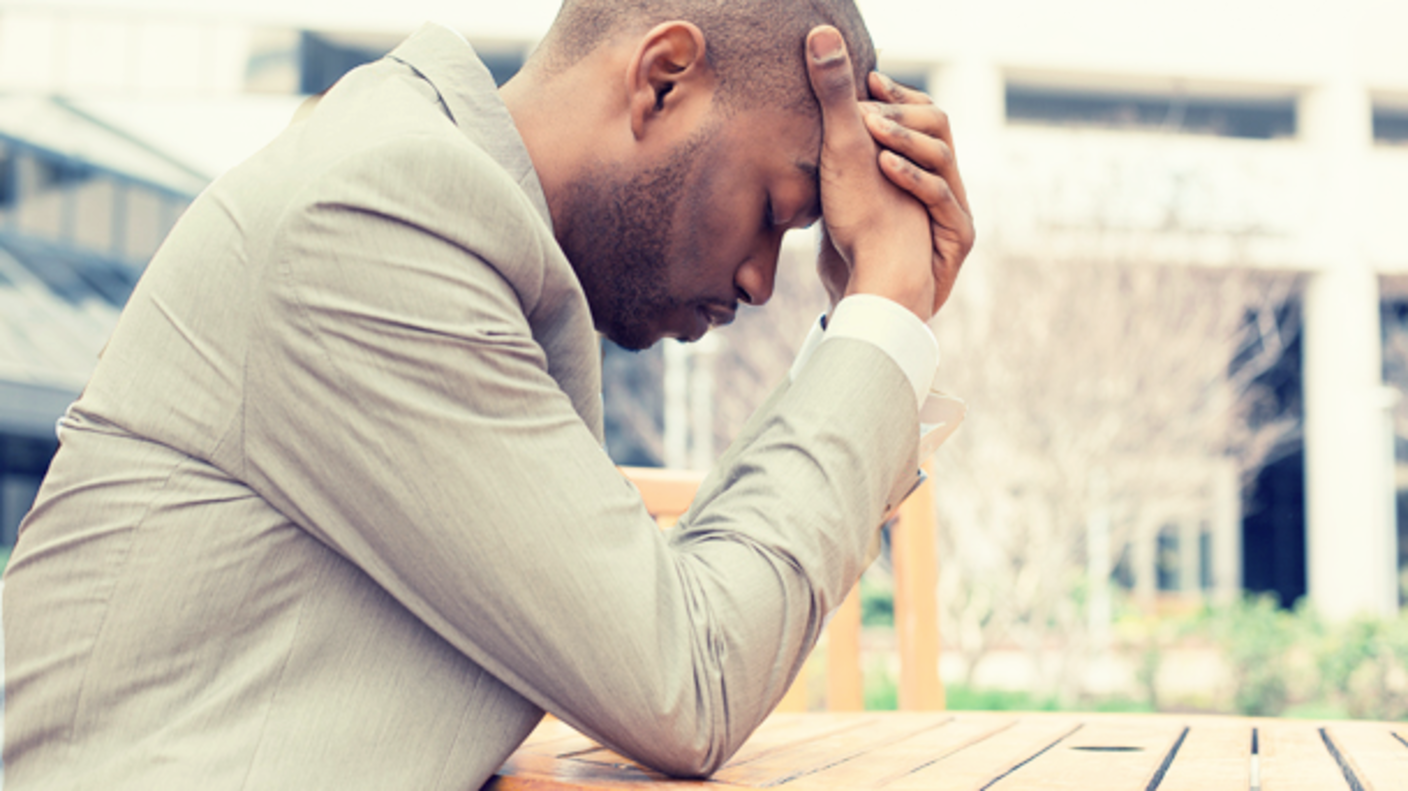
pixel 1241 133
pixel 82 208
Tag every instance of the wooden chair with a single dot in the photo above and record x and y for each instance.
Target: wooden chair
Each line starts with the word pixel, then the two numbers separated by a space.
pixel 913 544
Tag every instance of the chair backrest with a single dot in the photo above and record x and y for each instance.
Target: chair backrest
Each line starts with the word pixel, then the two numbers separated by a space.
pixel 913 544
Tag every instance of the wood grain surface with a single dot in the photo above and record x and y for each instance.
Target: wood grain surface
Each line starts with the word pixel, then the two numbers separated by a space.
pixel 1002 751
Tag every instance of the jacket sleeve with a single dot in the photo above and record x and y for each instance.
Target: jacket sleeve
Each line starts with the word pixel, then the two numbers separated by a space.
pixel 398 409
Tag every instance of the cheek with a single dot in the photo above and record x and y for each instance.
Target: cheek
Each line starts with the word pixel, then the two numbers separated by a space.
pixel 715 228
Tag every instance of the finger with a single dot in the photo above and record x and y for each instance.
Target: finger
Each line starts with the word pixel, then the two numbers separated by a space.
pixel 930 190
pixel 833 82
pixel 929 152
pixel 883 87
pixel 925 118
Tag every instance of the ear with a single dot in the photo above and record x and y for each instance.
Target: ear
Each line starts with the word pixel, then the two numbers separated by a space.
pixel 668 75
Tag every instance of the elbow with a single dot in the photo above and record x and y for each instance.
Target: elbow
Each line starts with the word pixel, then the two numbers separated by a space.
pixel 685 746
pixel 689 761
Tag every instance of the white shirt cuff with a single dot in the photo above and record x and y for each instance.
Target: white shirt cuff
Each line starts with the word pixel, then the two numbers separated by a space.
pixel 909 342
pixel 895 330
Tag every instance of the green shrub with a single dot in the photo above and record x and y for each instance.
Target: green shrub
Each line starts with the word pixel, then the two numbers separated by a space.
pixel 877 603
pixel 1364 667
pixel 962 698
pixel 882 693
pixel 1256 637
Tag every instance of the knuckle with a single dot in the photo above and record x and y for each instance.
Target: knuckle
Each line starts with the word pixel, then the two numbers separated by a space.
pixel 941 121
pixel 943 158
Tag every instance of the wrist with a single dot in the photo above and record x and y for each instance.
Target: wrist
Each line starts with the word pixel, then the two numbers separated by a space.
pixel 899 285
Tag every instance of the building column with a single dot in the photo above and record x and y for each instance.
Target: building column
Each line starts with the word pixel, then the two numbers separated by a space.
pixel 1351 539
pixel 1226 534
pixel 972 91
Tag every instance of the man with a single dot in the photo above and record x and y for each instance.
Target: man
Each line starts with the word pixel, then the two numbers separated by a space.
pixel 334 512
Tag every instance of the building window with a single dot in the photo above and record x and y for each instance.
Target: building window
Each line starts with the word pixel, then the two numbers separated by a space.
pixel 1167 559
pixel 1390 126
pixel 1258 119
pixel 503 65
pixel 911 78
pixel 23 462
pixel 324 60
pixel 9 188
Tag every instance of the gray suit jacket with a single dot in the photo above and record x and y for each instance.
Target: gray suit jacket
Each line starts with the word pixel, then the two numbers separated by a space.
pixel 334 510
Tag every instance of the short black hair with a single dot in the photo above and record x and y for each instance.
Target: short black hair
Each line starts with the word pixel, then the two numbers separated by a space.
pixel 755 47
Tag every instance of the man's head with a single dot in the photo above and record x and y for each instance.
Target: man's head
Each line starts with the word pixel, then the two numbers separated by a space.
pixel 754 47
pixel 677 140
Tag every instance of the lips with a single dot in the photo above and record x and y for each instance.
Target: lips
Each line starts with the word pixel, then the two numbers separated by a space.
pixel 699 324
pixel 710 316
pixel 695 321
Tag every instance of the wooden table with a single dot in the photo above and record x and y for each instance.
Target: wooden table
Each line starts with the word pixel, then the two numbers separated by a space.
pixel 1002 751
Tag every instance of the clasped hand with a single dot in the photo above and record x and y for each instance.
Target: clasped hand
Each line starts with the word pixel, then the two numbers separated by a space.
pixel 895 215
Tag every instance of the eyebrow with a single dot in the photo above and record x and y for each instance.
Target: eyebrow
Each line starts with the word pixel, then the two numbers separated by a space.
pixel 811 171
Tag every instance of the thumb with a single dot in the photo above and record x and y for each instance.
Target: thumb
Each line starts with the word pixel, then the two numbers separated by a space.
pixel 833 82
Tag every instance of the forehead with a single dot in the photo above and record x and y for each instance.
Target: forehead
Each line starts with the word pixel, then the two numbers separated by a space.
pixel 775 137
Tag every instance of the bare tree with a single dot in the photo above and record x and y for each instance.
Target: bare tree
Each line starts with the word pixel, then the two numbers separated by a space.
pixel 1093 387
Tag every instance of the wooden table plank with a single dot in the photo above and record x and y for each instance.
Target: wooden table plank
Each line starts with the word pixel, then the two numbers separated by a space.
pixel 982 762
pixel 1293 757
pixel 891 762
pixel 783 731
pixel 1104 755
pixel 1214 756
pixel 1376 753
pixel 970 751
pixel 525 772
pixel 780 733
pixel 799 759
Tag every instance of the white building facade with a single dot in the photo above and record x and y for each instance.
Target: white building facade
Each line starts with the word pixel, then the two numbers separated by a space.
pixel 1281 146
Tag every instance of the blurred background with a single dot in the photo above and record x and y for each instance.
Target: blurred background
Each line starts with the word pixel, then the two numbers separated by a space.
pixel 1183 336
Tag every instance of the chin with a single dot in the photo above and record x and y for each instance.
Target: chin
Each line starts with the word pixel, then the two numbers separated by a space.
pixel 635 338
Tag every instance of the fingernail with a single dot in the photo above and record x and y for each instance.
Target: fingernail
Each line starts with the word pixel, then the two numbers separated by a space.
pixel 826 45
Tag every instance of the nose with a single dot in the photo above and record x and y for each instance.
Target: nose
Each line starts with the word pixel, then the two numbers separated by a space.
pixel 755 277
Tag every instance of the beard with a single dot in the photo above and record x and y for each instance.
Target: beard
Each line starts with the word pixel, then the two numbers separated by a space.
pixel 617 235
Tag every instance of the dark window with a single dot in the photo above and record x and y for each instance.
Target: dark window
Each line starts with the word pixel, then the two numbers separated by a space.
pixel 1261 119
pixel 502 65
pixel 1273 503
pixel 72 275
pixel 1390 126
pixel 9 185
pixel 324 61
pixel 633 393
pixel 917 80
pixel 60 172
pixel 23 462
pixel 1166 559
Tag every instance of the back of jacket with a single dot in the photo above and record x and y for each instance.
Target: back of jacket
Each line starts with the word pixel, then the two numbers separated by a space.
pixel 190 635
